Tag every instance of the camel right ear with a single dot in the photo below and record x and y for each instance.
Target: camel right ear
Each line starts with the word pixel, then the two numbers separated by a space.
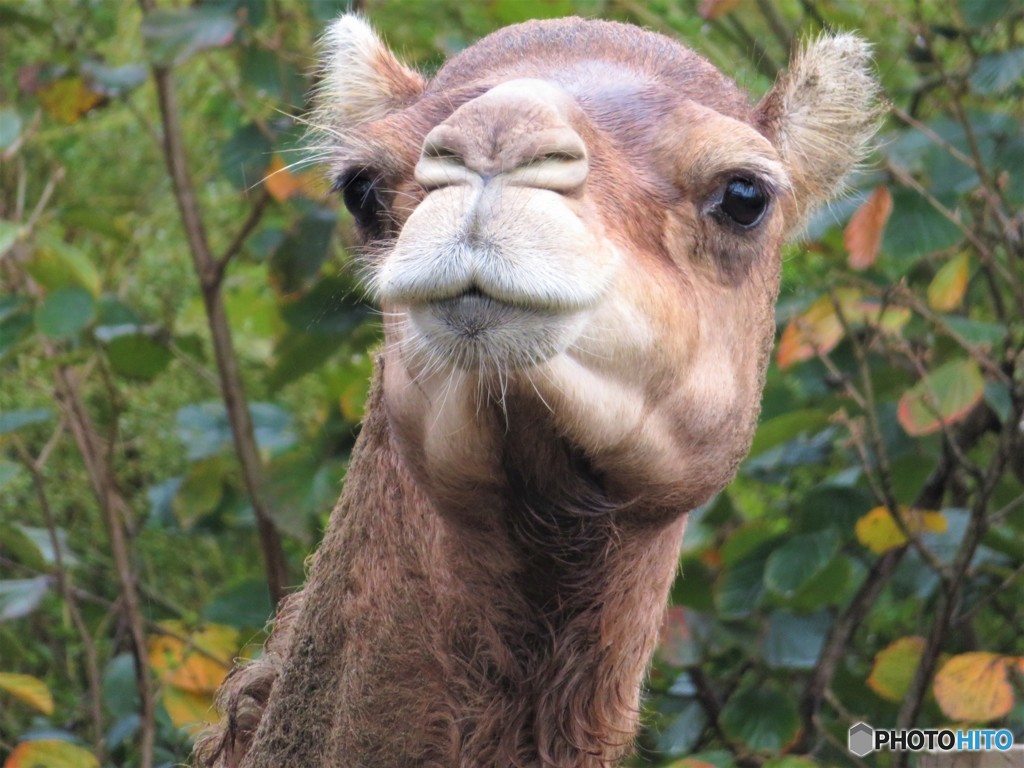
pixel 821 114
pixel 362 79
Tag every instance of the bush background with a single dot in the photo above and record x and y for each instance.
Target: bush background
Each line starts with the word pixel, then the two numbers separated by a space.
pixel 181 381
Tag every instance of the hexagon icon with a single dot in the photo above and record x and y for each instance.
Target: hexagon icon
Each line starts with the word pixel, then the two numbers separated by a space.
pixel 861 739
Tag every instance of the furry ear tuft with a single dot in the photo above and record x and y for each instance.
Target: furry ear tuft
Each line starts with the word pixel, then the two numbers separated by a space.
pixel 362 78
pixel 821 114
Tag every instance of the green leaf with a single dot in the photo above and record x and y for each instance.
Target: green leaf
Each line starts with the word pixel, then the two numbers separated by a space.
pixel 40 537
pixel 296 354
pixel 947 394
pixel 762 718
pixel 831 587
pixel 64 313
pixel 13 329
pixel 794 641
pixel 299 257
pixel 200 491
pixel 331 306
pixel 205 430
pixel 786 427
pixel 740 587
pixel 173 35
pixel 915 229
pixel 20 597
pixel 242 604
pixel 57 264
pixel 998 72
pixel 137 355
pixel 693 586
pixel 18 546
pixel 746 538
pixel 119 692
pixel 981 13
pixel 11 16
pixel 799 560
pixel 245 157
pixel 15 420
pixel 828 505
pixel 977 331
pixel 683 731
pixel 8 471
pixel 9 232
pixel 114 81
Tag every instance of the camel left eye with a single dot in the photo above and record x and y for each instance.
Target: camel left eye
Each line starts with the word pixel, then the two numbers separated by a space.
pixel 743 202
pixel 359 191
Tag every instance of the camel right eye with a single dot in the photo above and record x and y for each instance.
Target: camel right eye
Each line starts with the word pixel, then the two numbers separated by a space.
pixel 362 198
pixel 743 202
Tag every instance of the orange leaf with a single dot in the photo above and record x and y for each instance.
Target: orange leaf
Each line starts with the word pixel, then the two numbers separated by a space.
pixel 282 184
pixel 68 98
pixel 50 753
pixel 945 395
pixel 716 9
pixel 947 288
pixel 817 330
pixel 878 531
pixel 894 667
pixel 863 234
pixel 973 687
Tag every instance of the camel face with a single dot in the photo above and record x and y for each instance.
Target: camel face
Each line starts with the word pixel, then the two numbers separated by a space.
pixel 586 216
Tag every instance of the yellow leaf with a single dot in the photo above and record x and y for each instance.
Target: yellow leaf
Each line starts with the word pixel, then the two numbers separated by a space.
pixel 863 235
pixel 197 666
pixel 30 690
pixel 192 711
pixel 50 753
pixel 878 531
pixel 68 98
pixel 894 667
pixel 973 687
pixel 946 291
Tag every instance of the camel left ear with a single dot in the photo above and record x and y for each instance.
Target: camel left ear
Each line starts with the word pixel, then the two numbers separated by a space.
pixel 821 114
pixel 362 79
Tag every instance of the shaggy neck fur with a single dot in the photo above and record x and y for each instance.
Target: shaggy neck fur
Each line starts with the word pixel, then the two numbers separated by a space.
pixel 519 639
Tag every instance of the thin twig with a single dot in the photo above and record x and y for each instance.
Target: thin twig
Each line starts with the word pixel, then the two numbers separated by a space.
pixel 114 508
pixel 92 667
pixel 232 387
pixel 252 221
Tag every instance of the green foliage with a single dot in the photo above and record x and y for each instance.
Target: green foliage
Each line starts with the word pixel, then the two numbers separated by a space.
pixel 881 502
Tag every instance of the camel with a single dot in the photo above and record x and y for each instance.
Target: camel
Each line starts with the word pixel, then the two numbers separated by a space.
pixel 573 233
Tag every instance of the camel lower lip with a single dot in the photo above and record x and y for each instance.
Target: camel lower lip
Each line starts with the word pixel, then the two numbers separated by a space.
pixel 474 329
pixel 473 313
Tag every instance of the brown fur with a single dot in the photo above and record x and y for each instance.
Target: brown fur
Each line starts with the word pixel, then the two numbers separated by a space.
pixel 492 582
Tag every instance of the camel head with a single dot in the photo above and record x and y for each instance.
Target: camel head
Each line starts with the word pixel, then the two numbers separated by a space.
pixel 579 222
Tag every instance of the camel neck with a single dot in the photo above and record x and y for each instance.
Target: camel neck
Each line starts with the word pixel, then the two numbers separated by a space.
pixel 514 635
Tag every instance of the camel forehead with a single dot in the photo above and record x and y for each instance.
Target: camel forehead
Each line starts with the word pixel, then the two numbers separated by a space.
pixel 595 60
